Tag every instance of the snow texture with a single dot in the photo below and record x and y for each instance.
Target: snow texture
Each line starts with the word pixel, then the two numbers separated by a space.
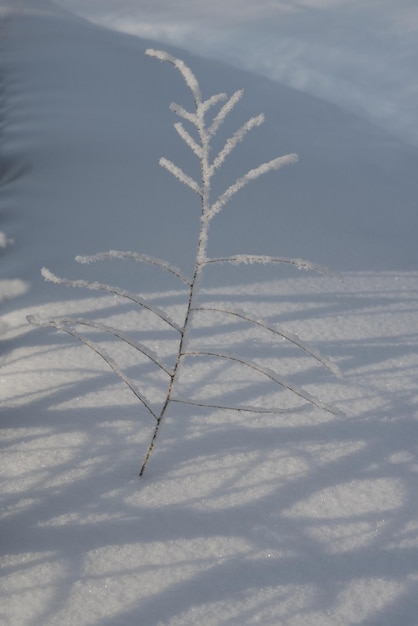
pixel 288 519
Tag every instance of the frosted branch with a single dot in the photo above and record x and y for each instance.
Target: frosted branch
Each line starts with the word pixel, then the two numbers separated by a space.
pixel 115 332
pixel 300 264
pixel 274 164
pixel 268 373
pixel 236 138
pixel 239 408
pixel 135 256
pixel 188 139
pixel 181 112
pixel 95 286
pixel 286 334
pixel 184 70
pixel 224 111
pixel 180 175
pixel 210 102
pixel 100 352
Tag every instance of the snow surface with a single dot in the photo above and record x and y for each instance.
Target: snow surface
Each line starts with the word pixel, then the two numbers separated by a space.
pixel 241 518
pixel 360 54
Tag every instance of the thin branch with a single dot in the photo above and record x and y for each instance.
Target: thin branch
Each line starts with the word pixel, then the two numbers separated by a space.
pixel 234 140
pixel 274 164
pixel 95 286
pixel 300 264
pixel 210 102
pixel 272 376
pixel 188 139
pixel 292 337
pixel 224 111
pixel 114 332
pixel 245 409
pixel 135 256
pixel 185 71
pixel 180 175
pixel 181 112
pixel 100 352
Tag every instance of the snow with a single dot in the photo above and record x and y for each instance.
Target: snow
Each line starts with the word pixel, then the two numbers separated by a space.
pixel 302 517
pixel 359 55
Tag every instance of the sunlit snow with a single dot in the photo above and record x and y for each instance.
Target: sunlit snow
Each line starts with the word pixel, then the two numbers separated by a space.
pixel 242 518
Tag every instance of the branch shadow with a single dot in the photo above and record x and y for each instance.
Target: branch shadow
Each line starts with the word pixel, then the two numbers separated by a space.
pixel 248 517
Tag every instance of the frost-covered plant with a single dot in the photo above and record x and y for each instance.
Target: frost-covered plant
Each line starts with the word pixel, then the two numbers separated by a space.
pixel 209 208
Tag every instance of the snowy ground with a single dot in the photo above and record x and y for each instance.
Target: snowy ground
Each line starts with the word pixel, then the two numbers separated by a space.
pixel 303 518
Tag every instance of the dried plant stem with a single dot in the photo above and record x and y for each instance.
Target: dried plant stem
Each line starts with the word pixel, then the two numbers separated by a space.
pixel 199 142
pixel 208 210
pixel 173 378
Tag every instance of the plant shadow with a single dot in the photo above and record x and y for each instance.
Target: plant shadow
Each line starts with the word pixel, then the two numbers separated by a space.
pixel 240 516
